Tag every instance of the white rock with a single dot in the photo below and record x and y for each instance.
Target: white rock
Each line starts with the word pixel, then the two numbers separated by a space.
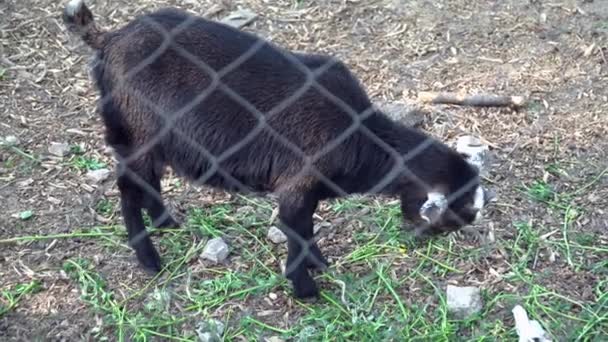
pixel 210 331
pixel 274 339
pixel 478 154
pixel 59 149
pixel 240 18
pixel 24 183
pixel 276 235
pixel 98 176
pixel 463 301
pixel 319 226
pixel 11 140
pixel 216 250
pixel 208 337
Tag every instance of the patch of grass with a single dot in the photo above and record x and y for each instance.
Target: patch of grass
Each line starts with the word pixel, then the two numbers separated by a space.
pixel 76 149
pixel 20 159
pixel 383 287
pixel 10 298
pixel 81 162
pixel 344 205
pixel 540 191
pixel 208 222
pixel 104 207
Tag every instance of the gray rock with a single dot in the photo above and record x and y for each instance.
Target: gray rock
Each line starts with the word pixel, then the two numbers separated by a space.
pixel 10 140
pixel 478 153
pixel 98 176
pixel 240 18
pixel 210 331
pixel 276 235
pixel 59 149
pixel 216 250
pixel 463 301
pixel 407 114
pixel 319 226
pixel 274 339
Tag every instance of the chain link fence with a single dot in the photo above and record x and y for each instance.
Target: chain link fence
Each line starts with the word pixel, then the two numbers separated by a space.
pixel 228 109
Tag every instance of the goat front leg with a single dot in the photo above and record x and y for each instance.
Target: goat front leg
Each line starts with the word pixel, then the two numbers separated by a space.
pixel 295 212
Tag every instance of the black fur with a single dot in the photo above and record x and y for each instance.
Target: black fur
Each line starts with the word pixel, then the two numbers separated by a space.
pixel 136 107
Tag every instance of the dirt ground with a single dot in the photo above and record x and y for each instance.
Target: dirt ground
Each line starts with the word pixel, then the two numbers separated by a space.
pixel 67 274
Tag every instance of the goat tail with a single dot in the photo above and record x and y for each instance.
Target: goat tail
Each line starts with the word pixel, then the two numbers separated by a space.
pixel 78 19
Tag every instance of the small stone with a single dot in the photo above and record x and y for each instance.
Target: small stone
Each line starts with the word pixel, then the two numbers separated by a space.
pixel 407 114
pixel 240 18
pixel 208 337
pixel 316 228
pixel 245 210
pixel 273 296
pixel 98 176
pixel 274 339
pixel 26 215
pixel 216 250
pixel 11 140
pixel 276 235
pixel 463 301
pixel 25 182
pixel 59 149
pixel 210 331
pixel 319 226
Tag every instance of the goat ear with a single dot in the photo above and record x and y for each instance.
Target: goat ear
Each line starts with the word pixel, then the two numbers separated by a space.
pixel 435 205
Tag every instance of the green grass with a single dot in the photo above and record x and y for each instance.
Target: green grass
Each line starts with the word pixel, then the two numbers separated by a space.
pixel 104 207
pixel 86 163
pixel 381 286
pixel 10 298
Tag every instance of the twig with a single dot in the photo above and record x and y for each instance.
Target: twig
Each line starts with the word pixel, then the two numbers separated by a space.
pixel 481 100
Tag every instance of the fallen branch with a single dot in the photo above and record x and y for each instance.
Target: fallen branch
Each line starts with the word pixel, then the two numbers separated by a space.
pixel 482 100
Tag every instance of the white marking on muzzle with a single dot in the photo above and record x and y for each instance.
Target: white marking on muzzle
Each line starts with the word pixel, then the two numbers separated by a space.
pixel 435 205
pixel 73 7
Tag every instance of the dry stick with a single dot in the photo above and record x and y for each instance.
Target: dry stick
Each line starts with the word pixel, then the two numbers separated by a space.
pixel 482 100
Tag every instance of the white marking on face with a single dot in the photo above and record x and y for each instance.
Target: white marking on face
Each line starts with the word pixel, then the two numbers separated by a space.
pixel 435 205
pixel 73 7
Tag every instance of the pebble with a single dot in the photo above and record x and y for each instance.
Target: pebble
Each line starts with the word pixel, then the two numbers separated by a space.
pixel 407 114
pixel 463 301
pixel 216 250
pixel 11 140
pixel 240 18
pixel 210 331
pixel 98 176
pixel 276 235
pixel 59 149
pixel 274 339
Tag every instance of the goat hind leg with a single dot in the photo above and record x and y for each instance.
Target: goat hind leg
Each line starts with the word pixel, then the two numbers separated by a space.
pixel 295 212
pixel 153 202
pixel 132 199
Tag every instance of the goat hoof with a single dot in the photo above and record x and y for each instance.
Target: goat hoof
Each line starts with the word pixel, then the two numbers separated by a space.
pixel 305 290
pixel 149 259
pixel 168 222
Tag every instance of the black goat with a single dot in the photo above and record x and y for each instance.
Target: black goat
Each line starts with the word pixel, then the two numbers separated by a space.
pixel 258 125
